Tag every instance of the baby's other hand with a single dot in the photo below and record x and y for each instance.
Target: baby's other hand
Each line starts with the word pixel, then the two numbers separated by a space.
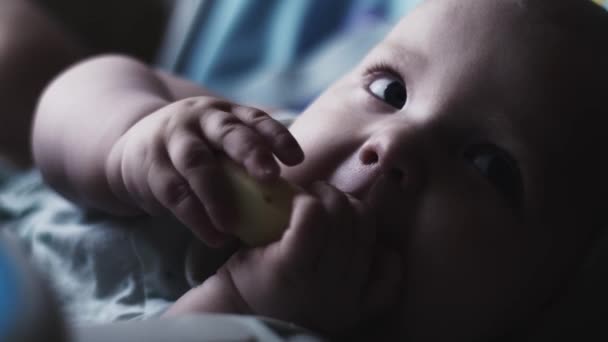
pixel 326 273
pixel 168 160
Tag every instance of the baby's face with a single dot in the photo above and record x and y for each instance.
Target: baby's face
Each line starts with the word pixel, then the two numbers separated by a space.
pixel 470 108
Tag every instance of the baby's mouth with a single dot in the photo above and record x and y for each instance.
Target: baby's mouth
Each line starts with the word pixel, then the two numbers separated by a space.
pixel 354 179
pixel 384 197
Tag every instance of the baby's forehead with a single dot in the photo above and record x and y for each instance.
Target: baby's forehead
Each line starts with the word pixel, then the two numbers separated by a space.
pixel 530 41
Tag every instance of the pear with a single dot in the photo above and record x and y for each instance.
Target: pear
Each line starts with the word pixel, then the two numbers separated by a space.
pixel 263 209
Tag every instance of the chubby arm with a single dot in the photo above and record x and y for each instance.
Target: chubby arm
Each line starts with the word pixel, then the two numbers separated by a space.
pixel 113 134
pixel 84 112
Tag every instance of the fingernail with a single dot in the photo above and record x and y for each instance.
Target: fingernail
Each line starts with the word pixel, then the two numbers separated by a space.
pixel 267 168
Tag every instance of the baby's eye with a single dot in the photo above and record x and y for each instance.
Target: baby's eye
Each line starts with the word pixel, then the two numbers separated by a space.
pixel 500 169
pixel 389 89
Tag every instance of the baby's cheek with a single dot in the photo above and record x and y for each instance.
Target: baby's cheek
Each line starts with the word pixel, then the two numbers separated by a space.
pixel 468 261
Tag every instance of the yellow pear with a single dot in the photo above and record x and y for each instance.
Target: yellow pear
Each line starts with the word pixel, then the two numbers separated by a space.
pixel 262 209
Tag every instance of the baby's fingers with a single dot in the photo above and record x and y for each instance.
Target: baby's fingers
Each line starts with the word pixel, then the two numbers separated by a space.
pixel 283 144
pixel 301 246
pixel 364 239
pixel 226 132
pixel 340 232
pixel 174 193
pixel 203 175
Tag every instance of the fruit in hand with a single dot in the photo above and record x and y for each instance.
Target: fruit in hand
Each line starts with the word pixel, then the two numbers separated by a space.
pixel 262 209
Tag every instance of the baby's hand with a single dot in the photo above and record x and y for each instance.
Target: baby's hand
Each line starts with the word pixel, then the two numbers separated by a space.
pixel 326 273
pixel 169 160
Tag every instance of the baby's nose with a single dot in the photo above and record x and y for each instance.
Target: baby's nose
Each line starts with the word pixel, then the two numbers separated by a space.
pixel 369 156
pixel 394 156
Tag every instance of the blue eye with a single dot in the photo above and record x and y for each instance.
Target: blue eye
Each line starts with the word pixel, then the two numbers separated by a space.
pixel 500 169
pixel 389 89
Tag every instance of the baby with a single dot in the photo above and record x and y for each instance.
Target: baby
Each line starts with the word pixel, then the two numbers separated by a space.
pixel 444 198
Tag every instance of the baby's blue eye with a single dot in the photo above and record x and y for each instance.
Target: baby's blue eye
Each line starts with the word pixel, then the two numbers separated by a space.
pixel 389 89
pixel 500 169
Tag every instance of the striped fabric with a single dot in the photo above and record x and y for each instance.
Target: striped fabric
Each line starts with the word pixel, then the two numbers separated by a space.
pixel 602 3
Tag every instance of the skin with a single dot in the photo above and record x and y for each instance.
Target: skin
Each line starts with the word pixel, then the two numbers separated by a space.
pixel 474 265
pixel 399 219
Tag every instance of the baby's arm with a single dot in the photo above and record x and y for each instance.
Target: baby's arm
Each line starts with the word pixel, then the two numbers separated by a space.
pixel 79 118
pixel 113 134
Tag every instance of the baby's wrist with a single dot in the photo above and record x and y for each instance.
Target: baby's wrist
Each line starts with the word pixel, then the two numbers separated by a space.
pixel 114 180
